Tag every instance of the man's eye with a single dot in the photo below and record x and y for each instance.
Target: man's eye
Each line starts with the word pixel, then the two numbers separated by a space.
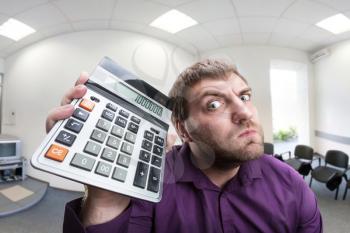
pixel 245 97
pixel 214 105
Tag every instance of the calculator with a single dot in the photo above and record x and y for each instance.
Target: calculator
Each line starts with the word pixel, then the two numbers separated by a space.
pixel 116 137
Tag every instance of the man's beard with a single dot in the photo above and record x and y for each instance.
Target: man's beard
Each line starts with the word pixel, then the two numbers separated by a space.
pixel 226 154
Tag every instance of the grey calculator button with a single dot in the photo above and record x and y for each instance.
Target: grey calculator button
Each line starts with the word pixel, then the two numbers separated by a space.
pixel 108 115
pixel 92 148
pixel 127 148
pixel 119 174
pixel 103 169
pixel 109 154
pixel 117 131
pixel 130 137
pixel 82 162
pixel 113 142
pixel 123 113
pixel 98 135
pixel 103 124
pixel 123 160
pixel 80 114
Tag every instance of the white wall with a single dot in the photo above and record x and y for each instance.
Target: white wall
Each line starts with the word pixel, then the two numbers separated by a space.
pixel 254 63
pixel 38 76
pixel 333 98
pixel 2 65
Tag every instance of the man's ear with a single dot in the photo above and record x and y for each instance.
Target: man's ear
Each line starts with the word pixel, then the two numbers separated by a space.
pixel 182 131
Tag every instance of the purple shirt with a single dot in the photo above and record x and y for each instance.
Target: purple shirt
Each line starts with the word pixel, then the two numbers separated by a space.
pixel 265 196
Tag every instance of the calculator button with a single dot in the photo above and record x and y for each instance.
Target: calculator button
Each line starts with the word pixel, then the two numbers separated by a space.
pixel 82 162
pixel 123 113
pixel 121 121
pixel 146 145
pixel 159 141
pixel 65 138
pixel 130 137
pixel 80 114
pixel 111 107
pixel 113 142
pixel 98 135
pixel 123 160
pixel 127 148
pixel 108 115
pixel 73 125
pixel 92 148
pixel 153 180
pixel 135 119
pixel 103 124
pixel 155 131
pixel 145 156
pixel 133 127
pixel 109 154
pixel 103 169
pixel 87 105
pixel 141 175
pixel 157 150
pixel 117 131
pixel 56 152
pixel 148 135
pixel 119 174
pixel 156 161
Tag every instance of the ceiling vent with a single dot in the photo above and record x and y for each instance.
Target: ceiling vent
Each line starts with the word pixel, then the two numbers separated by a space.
pixel 315 57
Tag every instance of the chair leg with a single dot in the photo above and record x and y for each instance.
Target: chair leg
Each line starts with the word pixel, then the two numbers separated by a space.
pixel 346 190
pixel 336 193
pixel 310 181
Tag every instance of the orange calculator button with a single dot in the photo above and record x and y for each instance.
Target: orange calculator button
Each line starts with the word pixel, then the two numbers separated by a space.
pixel 87 105
pixel 56 152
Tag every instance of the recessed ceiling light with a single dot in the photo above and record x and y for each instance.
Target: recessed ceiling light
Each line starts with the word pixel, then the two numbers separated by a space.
pixel 173 21
pixel 335 24
pixel 15 29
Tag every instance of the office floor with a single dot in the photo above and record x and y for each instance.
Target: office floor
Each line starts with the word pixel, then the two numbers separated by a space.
pixel 48 213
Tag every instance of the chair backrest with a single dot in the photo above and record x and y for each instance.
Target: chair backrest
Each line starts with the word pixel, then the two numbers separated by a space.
pixel 304 152
pixel 337 158
pixel 268 148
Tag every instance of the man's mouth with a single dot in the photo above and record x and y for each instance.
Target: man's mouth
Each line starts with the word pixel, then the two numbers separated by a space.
pixel 247 133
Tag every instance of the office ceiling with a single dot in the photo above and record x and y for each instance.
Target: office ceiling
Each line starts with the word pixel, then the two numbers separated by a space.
pixel 222 23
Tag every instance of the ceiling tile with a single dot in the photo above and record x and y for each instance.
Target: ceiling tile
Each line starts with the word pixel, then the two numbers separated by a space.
pixel 280 39
pixel 194 33
pixel 255 38
pixel 171 3
pixel 206 10
pixel 86 9
pixel 269 8
pixel 317 34
pixel 302 44
pixel 257 24
pixel 138 11
pixel 340 5
pixel 290 27
pixel 222 26
pixel 127 26
pixel 10 8
pixel 57 30
pixel 90 25
pixel 5 42
pixel 42 16
pixel 229 40
pixel 308 11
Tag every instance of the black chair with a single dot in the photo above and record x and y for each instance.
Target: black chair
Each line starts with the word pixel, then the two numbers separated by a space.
pixel 269 149
pixel 332 173
pixel 346 189
pixel 303 156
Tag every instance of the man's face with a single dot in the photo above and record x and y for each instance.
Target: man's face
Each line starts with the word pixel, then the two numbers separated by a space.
pixel 223 123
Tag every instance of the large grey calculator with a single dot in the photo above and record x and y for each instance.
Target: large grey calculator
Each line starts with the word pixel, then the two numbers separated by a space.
pixel 115 138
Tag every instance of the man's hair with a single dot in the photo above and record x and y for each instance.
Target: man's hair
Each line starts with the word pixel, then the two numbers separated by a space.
pixel 206 69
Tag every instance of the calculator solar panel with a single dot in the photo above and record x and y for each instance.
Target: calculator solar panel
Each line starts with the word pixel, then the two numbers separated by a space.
pixel 115 138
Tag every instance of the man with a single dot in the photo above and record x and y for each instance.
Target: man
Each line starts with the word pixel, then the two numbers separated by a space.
pixel 217 181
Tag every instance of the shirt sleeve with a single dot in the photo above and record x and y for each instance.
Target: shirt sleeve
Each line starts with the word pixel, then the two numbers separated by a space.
pixel 72 222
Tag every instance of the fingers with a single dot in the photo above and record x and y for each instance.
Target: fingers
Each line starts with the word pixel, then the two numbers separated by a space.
pixel 170 141
pixel 77 91
pixel 57 114
pixel 84 76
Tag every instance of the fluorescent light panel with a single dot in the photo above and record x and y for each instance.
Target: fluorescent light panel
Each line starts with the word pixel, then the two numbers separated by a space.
pixel 336 24
pixel 15 29
pixel 173 21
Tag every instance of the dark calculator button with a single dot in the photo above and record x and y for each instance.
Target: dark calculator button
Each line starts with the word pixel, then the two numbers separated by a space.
pixel 123 113
pixel 156 161
pixel 111 107
pixel 98 135
pixel 121 121
pixel 145 156
pixel 157 150
pixel 73 125
pixel 148 135
pixel 108 115
pixel 80 114
pixel 141 175
pixel 153 180
pixel 133 127
pixel 146 145
pixel 65 138
pixel 159 141
pixel 135 119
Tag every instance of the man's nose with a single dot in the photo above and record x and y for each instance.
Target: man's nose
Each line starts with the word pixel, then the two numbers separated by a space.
pixel 241 112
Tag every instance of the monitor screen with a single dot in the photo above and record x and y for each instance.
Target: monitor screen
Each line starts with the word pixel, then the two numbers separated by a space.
pixel 7 149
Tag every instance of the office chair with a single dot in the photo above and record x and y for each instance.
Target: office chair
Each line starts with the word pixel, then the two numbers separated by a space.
pixel 346 189
pixel 269 149
pixel 303 156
